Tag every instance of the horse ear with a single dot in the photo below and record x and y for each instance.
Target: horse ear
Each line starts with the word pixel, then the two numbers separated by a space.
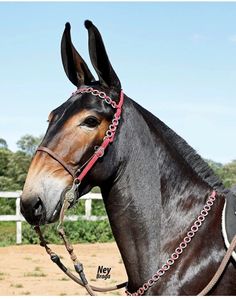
pixel 76 69
pixel 99 58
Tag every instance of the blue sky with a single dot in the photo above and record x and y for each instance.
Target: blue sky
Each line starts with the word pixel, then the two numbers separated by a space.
pixel 178 60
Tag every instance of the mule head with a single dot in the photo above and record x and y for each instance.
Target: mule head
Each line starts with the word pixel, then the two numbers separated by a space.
pixel 75 128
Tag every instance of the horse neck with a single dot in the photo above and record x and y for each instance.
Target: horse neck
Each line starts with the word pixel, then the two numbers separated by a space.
pixel 147 198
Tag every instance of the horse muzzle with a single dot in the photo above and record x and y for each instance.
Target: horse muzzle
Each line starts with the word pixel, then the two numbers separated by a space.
pixel 33 209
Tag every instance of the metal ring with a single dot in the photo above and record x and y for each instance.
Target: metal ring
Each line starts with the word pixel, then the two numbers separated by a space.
pixel 145 286
pixel 183 245
pixel 178 250
pixel 165 267
pixel 190 234
pixel 113 104
pixel 160 272
pixel 115 121
pixel 212 198
pixel 109 133
pixel 95 92
pixel 102 95
pixel 187 239
pixel 194 228
pixel 170 261
pixel 174 256
pixel 140 291
pixel 209 203
pixel 207 208
pixel 150 282
pixel 107 100
pixel 112 127
pixel 155 277
pixel 204 213
pixel 198 223
pixel 201 218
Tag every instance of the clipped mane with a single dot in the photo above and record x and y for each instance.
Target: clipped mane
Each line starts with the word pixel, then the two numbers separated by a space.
pixel 184 151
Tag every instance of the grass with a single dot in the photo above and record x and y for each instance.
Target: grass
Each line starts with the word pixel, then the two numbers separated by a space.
pixel 2 275
pixel 25 293
pixel 64 279
pixel 7 233
pixel 35 274
pixel 27 258
pixel 37 269
pixel 17 285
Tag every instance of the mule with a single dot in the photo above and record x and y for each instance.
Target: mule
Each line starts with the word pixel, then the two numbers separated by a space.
pixel 153 184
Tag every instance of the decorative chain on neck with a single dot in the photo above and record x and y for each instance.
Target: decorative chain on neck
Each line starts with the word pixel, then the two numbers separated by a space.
pixel 179 250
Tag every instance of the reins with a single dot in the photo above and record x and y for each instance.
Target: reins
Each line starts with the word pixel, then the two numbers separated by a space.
pixel 70 198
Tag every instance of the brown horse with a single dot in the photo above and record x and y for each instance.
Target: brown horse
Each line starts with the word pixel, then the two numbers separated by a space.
pixel 157 190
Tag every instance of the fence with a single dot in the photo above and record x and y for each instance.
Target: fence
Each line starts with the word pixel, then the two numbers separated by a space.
pixel 18 217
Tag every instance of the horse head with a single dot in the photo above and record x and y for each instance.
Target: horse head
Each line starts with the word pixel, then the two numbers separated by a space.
pixel 76 129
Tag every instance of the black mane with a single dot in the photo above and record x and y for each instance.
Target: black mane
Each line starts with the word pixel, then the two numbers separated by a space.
pixel 184 151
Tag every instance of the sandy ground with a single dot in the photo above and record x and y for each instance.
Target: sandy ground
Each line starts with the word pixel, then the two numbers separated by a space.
pixel 28 270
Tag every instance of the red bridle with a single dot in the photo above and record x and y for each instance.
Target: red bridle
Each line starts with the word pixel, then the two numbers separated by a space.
pixel 110 133
pixel 99 151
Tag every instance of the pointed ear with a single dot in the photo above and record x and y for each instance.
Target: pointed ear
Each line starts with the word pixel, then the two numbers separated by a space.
pixel 99 58
pixel 76 69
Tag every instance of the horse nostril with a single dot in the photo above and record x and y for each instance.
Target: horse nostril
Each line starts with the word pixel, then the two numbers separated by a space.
pixel 38 207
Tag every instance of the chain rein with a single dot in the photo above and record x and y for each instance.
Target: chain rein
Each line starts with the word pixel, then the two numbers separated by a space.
pixel 179 250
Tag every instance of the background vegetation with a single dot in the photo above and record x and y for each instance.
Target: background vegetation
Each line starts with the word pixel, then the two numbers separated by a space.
pixel 13 170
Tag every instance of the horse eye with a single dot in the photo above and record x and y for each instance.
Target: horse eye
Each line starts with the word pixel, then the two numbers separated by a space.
pixel 91 122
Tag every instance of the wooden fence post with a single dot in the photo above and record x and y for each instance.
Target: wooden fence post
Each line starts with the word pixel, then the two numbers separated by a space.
pixel 88 208
pixel 18 222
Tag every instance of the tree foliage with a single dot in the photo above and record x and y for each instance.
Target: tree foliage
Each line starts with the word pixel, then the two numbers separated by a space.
pixel 28 144
pixel 226 172
pixel 3 143
pixel 14 165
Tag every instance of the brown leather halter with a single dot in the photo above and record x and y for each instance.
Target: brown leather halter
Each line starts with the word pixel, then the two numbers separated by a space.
pixel 57 158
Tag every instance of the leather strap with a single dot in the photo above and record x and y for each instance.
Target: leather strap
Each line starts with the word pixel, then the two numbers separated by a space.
pixel 57 158
pixel 220 270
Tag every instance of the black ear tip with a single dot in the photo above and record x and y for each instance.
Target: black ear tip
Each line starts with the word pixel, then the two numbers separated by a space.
pixel 67 26
pixel 88 24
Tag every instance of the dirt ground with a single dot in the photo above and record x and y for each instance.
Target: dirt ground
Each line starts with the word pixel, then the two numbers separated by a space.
pixel 28 270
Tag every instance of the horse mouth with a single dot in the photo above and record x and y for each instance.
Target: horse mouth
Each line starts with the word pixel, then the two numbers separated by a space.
pixel 56 213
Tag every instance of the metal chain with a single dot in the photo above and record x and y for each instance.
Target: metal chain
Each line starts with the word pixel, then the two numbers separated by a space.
pixel 179 250
pixel 102 95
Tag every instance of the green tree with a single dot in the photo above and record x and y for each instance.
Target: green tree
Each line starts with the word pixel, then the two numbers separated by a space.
pixel 28 144
pixel 228 174
pixel 3 143
pixel 5 157
pixel 18 168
